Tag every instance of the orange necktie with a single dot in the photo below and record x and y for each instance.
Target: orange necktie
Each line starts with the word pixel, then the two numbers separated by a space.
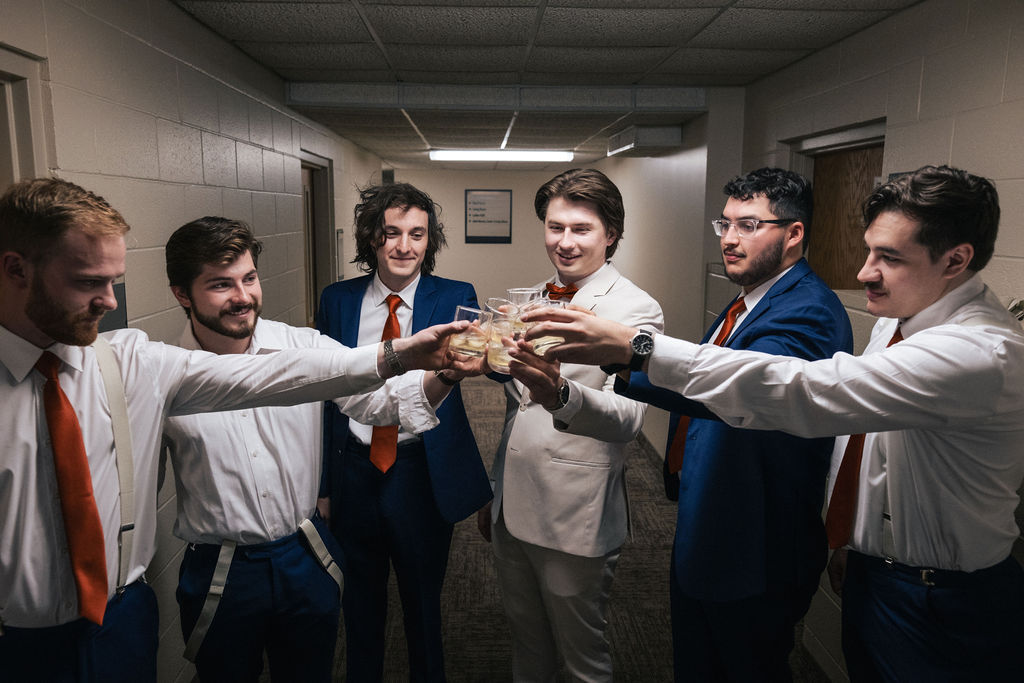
pixel 74 483
pixel 843 503
pixel 555 292
pixel 384 444
pixel 675 451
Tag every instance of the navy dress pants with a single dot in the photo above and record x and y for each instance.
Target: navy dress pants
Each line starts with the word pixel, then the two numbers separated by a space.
pixel 390 519
pixel 278 598
pixel 965 627
pixel 736 640
pixel 122 650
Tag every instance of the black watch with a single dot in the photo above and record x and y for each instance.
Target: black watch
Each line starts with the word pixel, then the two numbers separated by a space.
pixel 642 344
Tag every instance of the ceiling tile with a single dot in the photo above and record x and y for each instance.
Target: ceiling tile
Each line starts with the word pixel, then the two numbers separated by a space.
pixel 452 25
pixel 595 59
pixel 456 57
pixel 782 29
pixel 280 21
pixel 611 27
pixel 315 55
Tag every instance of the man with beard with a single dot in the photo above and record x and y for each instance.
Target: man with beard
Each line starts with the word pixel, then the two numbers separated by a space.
pixel 246 480
pixel 81 434
pixel 749 544
pixel 922 509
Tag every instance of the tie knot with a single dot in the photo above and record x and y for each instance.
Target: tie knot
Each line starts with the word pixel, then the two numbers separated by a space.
pixel 737 307
pixel 555 292
pixel 897 337
pixel 48 365
pixel 393 301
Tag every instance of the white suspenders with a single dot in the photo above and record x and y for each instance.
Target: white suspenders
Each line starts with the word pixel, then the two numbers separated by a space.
pixel 111 373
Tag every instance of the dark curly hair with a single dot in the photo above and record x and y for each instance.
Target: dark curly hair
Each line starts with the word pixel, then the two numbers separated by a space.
pixel 369 221
pixel 789 194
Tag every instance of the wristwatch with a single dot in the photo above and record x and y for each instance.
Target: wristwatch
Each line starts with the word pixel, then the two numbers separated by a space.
pixel 563 394
pixel 642 344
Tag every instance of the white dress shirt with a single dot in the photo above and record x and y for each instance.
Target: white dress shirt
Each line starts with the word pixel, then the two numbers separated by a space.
pixel 372 316
pixel 36 585
pixel 943 411
pixel 251 476
pixel 750 301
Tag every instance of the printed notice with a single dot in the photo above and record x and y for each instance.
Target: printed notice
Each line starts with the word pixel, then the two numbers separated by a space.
pixel 489 216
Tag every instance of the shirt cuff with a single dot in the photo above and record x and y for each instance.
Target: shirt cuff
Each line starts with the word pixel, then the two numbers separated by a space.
pixel 670 362
pixel 416 415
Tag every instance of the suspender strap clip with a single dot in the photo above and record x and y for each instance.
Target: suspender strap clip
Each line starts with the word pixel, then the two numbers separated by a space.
pixel 217 584
pixel 316 544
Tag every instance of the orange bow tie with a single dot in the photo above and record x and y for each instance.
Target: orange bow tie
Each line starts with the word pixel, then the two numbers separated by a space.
pixel 555 292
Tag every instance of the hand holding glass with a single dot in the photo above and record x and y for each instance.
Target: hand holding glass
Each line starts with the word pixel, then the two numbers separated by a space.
pixel 472 341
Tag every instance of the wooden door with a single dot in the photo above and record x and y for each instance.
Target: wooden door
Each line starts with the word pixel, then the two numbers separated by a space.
pixel 842 181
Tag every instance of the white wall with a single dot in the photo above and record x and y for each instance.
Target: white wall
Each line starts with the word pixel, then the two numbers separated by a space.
pixel 661 247
pixel 948 78
pixel 169 122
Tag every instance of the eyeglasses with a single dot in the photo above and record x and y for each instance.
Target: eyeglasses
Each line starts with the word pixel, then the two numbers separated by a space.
pixel 745 227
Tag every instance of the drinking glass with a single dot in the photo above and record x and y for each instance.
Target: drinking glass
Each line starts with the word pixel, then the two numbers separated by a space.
pixel 504 312
pixel 520 296
pixel 541 345
pixel 473 340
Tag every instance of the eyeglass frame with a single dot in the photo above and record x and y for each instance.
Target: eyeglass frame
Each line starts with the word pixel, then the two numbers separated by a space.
pixel 757 223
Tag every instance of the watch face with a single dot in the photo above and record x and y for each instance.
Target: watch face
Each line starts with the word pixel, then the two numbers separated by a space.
pixel 643 344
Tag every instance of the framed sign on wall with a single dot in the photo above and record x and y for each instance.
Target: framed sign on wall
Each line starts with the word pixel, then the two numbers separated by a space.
pixel 489 216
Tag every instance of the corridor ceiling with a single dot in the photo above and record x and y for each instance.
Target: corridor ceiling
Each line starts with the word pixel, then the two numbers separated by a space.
pixel 402 77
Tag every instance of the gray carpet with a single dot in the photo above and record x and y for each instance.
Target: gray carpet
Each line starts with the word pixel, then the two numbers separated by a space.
pixel 475 631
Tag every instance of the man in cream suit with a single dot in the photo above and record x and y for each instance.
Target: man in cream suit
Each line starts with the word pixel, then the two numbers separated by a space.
pixel 559 514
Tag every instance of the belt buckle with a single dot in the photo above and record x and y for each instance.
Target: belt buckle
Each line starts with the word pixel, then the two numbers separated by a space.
pixel 926 577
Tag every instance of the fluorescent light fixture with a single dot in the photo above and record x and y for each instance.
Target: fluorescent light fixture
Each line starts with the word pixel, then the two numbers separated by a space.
pixel 498 155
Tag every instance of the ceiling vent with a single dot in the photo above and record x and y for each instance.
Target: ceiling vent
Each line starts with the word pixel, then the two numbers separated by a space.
pixel 645 141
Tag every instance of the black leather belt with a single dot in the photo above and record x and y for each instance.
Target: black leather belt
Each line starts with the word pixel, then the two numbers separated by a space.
pixel 925 576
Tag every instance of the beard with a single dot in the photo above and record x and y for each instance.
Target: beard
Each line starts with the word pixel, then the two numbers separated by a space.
pixel 237 330
pixel 57 322
pixel 762 268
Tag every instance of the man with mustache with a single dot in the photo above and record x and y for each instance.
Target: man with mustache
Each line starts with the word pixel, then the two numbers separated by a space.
pixel 735 603
pixel 249 479
pixel 81 420
pixel 922 509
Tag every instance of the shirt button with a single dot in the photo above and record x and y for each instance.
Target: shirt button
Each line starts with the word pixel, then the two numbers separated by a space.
pixel 266 494
pixel 522 407
pixel 254 454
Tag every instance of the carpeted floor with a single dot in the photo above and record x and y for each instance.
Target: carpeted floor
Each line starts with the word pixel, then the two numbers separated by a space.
pixel 476 633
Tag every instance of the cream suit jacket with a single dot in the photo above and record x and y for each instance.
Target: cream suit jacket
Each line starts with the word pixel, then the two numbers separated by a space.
pixel 567 491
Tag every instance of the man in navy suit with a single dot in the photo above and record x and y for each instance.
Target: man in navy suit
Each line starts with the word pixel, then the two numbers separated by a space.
pixel 750 544
pixel 399 513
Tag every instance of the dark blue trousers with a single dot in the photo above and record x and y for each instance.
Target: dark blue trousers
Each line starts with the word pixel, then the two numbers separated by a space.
pixel 966 627
pixel 736 640
pixel 391 519
pixel 123 649
pixel 278 598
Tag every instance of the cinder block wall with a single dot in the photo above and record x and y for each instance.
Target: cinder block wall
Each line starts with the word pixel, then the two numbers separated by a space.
pixel 947 76
pixel 169 123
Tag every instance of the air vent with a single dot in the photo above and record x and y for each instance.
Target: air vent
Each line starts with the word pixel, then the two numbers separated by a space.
pixel 645 141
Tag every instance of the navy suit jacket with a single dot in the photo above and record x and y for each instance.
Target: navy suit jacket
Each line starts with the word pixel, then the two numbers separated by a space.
pixel 750 501
pixel 457 476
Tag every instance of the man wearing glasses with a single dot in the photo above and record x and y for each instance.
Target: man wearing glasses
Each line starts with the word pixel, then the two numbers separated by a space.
pixel 750 544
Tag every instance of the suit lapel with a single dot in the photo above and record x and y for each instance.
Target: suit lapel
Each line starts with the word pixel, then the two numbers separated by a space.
pixel 590 293
pixel 785 283
pixel 352 307
pixel 424 303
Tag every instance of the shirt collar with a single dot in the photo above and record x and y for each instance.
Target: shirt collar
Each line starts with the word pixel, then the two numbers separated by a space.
pixel 757 293
pixel 265 339
pixel 379 291
pixel 582 282
pixel 943 309
pixel 19 355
